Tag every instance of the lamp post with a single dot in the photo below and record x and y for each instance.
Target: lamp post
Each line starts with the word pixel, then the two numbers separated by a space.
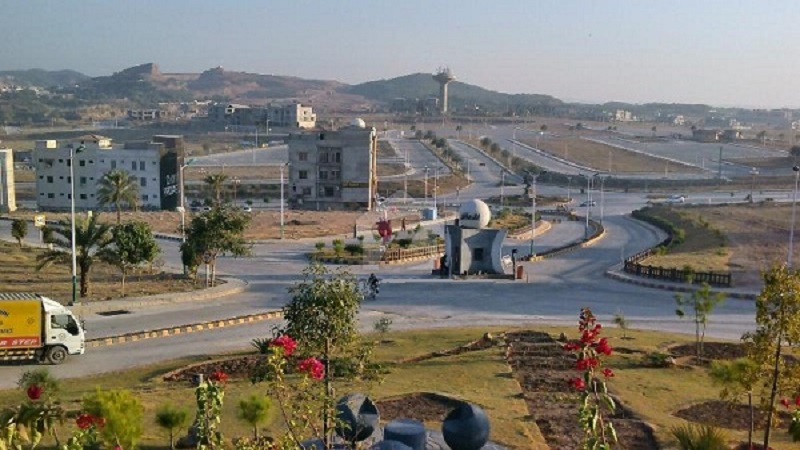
pixel 533 212
pixel 182 200
pixel 794 215
pixel 426 185
pixel 435 188
pixel 72 153
pixel 602 197
pixel 753 173
pixel 502 187
pixel 236 181
pixel 588 204
pixel 282 221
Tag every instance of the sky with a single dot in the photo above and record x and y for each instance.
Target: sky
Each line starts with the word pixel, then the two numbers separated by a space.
pixel 723 53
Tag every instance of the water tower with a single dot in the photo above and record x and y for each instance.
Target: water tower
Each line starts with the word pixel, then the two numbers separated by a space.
pixel 444 77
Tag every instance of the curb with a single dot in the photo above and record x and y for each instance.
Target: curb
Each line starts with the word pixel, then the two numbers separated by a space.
pixel 182 329
pixel 231 286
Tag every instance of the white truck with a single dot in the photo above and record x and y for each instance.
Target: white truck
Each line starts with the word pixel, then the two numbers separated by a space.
pixel 36 327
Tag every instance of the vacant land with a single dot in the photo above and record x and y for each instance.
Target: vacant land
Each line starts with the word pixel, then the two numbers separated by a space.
pixel 18 274
pixel 605 157
pixel 757 236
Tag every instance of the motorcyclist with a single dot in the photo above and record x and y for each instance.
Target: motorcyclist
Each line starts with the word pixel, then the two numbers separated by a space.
pixel 372 282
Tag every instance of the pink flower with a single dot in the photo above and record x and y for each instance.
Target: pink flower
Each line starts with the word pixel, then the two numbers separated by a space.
pixel 797 401
pixel 785 402
pixel 571 346
pixel 608 373
pixel 286 342
pixel 34 392
pixel 99 422
pixel 313 367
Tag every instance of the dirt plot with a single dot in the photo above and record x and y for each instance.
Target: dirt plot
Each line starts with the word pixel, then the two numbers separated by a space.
pixel 605 157
pixel 757 238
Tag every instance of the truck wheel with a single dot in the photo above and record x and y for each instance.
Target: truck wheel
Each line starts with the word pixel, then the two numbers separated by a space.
pixel 56 355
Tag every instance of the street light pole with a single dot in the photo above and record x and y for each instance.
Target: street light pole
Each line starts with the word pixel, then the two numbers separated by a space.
pixel 282 222
pixel 602 198
pixel 753 172
pixel 435 188
pixel 72 153
pixel 588 204
pixel 533 215
pixel 426 185
pixel 794 215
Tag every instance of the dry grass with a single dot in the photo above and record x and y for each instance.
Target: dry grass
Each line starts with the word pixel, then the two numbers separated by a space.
pixel 596 155
pixel 18 274
pixel 757 237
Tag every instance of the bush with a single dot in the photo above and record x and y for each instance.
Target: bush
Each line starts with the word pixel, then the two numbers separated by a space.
pixel 354 249
pixel 123 413
pixel 382 325
pixel 404 243
pixel 658 359
pixel 319 246
pixel 699 437
pixel 338 246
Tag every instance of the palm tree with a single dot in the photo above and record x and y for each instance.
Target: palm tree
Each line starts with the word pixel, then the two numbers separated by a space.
pixel 216 181
pixel 91 238
pixel 118 187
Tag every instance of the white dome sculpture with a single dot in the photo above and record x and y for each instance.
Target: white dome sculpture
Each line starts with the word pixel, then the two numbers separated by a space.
pixel 358 122
pixel 474 214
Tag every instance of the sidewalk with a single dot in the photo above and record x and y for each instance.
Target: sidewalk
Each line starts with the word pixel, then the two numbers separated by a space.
pixel 616 273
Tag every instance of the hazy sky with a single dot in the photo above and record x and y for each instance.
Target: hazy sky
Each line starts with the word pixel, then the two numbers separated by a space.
pixel 731 52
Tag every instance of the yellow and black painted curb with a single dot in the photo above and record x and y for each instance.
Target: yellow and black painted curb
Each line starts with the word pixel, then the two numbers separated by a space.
pixel 182 329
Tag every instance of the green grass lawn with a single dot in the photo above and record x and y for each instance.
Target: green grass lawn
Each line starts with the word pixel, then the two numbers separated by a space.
pixel 482 377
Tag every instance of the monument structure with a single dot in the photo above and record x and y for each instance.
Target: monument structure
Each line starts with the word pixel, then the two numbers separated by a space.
pixel 471 247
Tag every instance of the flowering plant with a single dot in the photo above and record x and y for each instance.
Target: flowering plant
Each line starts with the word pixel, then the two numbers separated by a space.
pixel 794 410
pixel 594 398
pixel 85 437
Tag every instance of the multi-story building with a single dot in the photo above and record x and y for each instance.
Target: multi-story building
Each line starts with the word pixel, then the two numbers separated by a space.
pixel 293 115
pixel 334 169
pixel 143 160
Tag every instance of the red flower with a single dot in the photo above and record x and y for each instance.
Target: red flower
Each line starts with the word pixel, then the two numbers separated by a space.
pixel 34 392
pixel 313 367
pixel 785 402
pixel 587 337
pixel 84 421
pixel 99 422
pixel 797 401
pixel 286 342
pixel 219 377
pixel 578 384
pixel 571 346
pixel 117 447
pixel 603 347
pixel 608 373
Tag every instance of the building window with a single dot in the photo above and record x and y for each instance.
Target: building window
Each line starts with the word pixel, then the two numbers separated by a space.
pixel 82 163
pixel 113 163
pixel 91 161
pixel 51 195
pixel 82 196
pixel 323 174
pixel 49 179
pixel 334 174
pixel 302 156
pixel 142 165
pixel 302 174
pixel 329 191
pixel 82 180
pixel 143 182
pixel 133 166
pixel 145 198
pixel 337 157
pixel 306 191
pixel 69 180
pixel 323 157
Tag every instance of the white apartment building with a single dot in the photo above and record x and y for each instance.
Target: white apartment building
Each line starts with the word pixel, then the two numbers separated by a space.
pixel 293 115
pixel 52 162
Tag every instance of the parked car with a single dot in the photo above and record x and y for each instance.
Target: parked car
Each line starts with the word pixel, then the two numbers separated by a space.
pixel 247 208
pixel 589 203
pixel 676 199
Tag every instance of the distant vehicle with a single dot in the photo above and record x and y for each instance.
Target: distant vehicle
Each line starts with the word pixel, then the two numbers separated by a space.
pixel 589 203
pixel 482 164
pixel 247 208
pixel 676 199
pixel 206 208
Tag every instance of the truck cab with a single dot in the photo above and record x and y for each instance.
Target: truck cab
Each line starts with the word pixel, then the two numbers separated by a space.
pixel 63 333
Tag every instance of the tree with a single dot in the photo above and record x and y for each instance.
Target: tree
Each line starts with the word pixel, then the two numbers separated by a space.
pixel 702 303
pixel 485 142
pixel 653 129
pixel 118 187
pixel 171 418
pixel 622 323
pixel 134 245
pixel 254 410
pixel 736 377
pixel 19 229
pixel 216 231
pixel 777 323
pixel 216 181
pixel 763 136
pixel 91 238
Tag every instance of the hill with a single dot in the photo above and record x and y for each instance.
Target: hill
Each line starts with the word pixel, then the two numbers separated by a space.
pixel 41 78
pixel 461 95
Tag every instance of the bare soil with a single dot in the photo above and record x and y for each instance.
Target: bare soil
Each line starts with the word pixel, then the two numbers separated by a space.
pixel 422 406
pixel 723 414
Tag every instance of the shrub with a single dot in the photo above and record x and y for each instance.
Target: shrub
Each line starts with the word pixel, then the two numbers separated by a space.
pixel 319 246
pixel 123 413
pixel 658 359
pixel 382 325
pixel 354 249
pixel 171 418
pixel 404 243
pixel 699 437
pixel 254 410
pixel 338 246
pixel 261 344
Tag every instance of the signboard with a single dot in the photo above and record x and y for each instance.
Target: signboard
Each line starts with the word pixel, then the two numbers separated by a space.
pixel 39 220
pixel 20 323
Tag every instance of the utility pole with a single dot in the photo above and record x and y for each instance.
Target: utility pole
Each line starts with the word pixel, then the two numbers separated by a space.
pixel 719 170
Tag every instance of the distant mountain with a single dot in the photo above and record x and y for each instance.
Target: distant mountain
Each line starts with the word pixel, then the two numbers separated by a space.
pixel 461 95
pixel 41 78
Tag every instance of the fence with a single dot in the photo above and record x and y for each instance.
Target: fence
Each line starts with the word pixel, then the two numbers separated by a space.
pixel 400 254
pixel 632 266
